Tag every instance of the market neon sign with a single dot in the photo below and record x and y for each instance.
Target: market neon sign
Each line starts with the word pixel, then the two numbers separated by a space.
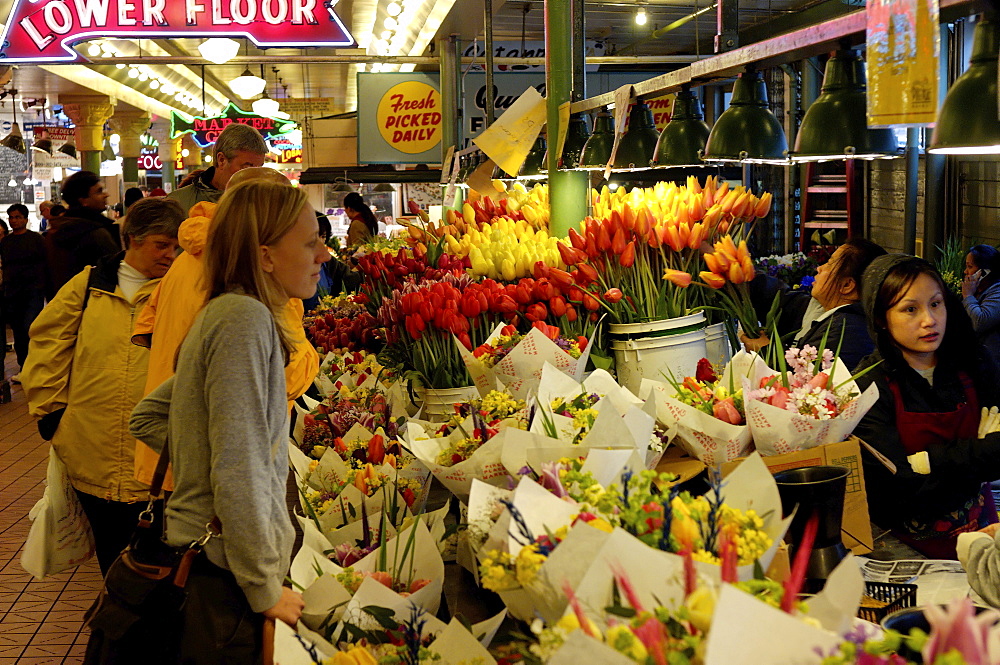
pixel 207 130
pixel 46 30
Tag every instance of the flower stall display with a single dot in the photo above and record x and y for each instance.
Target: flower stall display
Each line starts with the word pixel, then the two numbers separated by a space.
pixel 708 411
pixel 515 361
pixel 812 399
pixel 343 410
pixel 796 269
pixel 729 271
pixel 342 323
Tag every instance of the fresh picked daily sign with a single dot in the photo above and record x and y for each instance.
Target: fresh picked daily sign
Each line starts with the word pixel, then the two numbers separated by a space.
pixel 45 30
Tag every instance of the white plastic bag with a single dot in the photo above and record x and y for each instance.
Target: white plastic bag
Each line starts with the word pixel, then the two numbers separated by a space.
pixel 60 536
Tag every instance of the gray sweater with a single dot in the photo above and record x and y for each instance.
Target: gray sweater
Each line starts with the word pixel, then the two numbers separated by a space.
pixel 227 416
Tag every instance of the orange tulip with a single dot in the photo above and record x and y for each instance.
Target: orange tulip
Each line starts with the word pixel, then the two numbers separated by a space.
pixel 713 280
pixel 697 236
pixel 671 237
pixel 712 263
pixel 653 237
pixel 713 217
pixel 677 277
pixel 618 242
pixel 682 215
pixel 763 206
pixel 736 275
pixel 743 205
pixel 614 222
pixel 727 247
pixel 684 233
pixel 627 257
pixel 628 217
pixel 643 220
pixel 721 191
pixel 696 209
pixel 748 267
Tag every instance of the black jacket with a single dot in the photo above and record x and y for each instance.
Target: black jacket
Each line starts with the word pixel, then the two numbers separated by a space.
pixel 846 328
pixel 958 468
pixel 77 243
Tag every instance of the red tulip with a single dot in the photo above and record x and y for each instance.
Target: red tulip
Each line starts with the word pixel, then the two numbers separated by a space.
pixel 618 242
pixel 590 302
pixel 577 240
pixel 613 295
pixel 558 306
pixel 376 449
pixel 567 254
pixel 586 274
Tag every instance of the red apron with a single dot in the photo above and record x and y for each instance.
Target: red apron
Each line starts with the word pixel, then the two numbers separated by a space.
pixel 920 431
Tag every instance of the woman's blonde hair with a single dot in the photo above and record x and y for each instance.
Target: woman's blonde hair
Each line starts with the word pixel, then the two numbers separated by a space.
pixel 250 215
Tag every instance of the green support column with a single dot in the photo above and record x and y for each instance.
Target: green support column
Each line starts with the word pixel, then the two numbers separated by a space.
pixel 567 189
pixel 90 160
pixel 451 101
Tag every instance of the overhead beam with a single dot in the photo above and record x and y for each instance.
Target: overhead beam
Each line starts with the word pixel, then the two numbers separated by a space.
pixel 395 60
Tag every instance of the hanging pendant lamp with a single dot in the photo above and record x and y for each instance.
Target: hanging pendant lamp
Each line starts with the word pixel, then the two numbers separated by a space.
pixel 246 85
pixel 14 140
pixel 747 131
pixel 683 139
pixel 68 148
pixel 531 169
pixel 638 145
pixel 835 125
pixel 597 151
pixel 967 123
pixel 577 134
pixel 43 145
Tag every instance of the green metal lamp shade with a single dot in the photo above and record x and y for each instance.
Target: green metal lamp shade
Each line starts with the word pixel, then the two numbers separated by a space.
pixel 577 134
pixel 638 145
pixel 597 152
pixel 683 139
pixel 532 166
pixel 835 125
pixel 747 131
pixel 967 123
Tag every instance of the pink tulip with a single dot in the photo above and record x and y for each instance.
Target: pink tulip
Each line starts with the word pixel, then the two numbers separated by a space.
pixel 819 381
pixel 779 398
pixel 957 627
pixel 727 412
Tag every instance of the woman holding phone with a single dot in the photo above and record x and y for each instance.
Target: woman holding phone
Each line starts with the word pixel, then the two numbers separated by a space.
pixel 981 296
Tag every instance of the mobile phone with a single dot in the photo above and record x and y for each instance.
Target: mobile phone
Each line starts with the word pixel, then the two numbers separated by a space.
pixel 981 273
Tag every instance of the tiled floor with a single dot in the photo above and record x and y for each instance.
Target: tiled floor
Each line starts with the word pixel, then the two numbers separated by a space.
pixel 40 622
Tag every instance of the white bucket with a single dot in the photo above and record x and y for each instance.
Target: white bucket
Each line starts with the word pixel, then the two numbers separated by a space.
pixel 652 350
pixel 439 403
pixel 718 349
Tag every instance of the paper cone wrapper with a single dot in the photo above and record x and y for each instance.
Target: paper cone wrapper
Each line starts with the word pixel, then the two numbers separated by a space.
pixel 457 646
pixel 777 431
pixel 294 648
pixel 567 564
pixel 485 464
pixel 581 648
pixel 700 435
pixel 630 429
pixel 555 385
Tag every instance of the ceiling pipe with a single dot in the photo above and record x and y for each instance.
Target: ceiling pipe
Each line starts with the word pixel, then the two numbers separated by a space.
pixel 362 58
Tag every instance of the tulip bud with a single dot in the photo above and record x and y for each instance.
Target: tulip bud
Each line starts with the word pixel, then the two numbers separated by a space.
pixel 677 277
pixel 711 279
pixel 627 257
pixel 763 206
pixel 613 295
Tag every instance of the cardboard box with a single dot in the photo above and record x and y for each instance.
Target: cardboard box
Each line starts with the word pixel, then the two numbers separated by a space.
pixel 856 527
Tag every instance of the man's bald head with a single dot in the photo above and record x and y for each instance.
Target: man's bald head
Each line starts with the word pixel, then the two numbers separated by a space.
pixel 257 172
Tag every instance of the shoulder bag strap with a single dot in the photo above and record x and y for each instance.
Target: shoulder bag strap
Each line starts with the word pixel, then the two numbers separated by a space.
pixel 156 487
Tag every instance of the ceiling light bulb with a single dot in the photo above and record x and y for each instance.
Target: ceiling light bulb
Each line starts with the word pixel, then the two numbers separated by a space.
pixel 120 65
pixel 115 138
pixel 208 159
pixel 640 16
pixel 389 23
pixel 166 88
pixel 386 34
pixel 12 182
pixel 154 84
pixel 185 152
pixel 178 95
pixel 247 85
pixel 219 50
pixel 133 73
pixel 94 50
pixel 393 9
pixel 265 106
pixel 27 181
pixel 143 76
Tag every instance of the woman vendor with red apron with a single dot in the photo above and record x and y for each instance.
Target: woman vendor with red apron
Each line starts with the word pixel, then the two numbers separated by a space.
pixel 933 377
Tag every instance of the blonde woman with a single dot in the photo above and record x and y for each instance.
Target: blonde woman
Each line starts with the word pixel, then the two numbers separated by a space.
pixel 226 413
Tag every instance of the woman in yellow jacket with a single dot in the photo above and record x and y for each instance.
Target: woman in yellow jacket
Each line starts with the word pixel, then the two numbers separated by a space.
pixel 83 375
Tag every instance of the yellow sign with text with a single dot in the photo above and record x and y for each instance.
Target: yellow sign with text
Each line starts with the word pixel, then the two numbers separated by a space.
pixel 903 47
pixel 409 117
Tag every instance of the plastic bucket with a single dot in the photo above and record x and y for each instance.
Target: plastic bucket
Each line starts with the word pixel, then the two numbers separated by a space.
pixel 652 350
pixel 718 349
pixel 439 403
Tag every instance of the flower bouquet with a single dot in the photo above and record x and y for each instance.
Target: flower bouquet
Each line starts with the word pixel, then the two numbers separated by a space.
pixel 811 400
pixel 342 323
pixel 796 269
pixel 708 411
pixel 515 361
pixel 729 271
pixel 472 450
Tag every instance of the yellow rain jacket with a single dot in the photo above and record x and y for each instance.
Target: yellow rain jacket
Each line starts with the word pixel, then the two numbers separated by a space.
pixel 82 359
pixel 171 310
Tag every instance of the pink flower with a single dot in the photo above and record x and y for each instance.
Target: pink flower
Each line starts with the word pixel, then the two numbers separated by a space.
pixel 726 411
pixel 957 627
pixel 819 381
pixel 779 398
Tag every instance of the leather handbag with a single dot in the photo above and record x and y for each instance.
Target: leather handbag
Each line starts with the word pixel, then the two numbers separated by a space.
pixel 138 616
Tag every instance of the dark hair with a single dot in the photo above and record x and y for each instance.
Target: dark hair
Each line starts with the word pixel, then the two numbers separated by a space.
pixel 3 229
pixel 986 257
pixel 857 255
pixel 959 347
pixel 353 201
pixel 132 194
pixel 18 207
pixel 57 210
pixel 77 187
pixel 325 227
